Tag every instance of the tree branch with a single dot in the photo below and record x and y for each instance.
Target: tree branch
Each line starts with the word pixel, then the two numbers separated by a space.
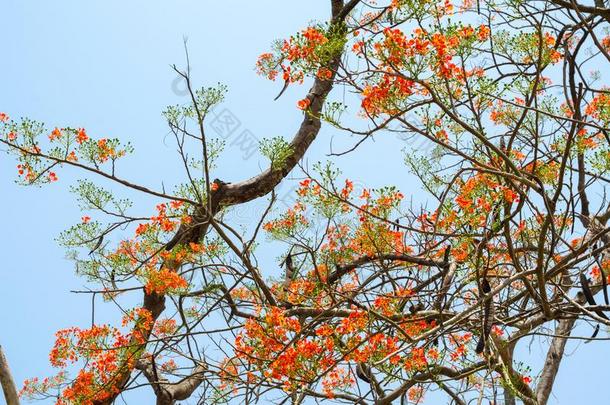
pixel 7 382
pixel 554 356
pixel 168 393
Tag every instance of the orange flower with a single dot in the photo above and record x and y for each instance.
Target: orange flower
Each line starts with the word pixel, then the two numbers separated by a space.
pixel 265 66
pixel 346 191
pixel 56 134
pixel 385 96
pixel 163 281
pixel 72 157
pixel 142 228
pixel 442 135
pixel 52 176
pixel 81 136
pixel 358 47
pixel 483 33
pixel 176 204
pixel 510 196
pixel 3 117
pixel 304 104
pixel 304 187
pixel 324 74
pixel 165 327
pixel 86 219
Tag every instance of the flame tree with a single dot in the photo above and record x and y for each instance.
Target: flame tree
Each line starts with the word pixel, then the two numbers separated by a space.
pixel 379 301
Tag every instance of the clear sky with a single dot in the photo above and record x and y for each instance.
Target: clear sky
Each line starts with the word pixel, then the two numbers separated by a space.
pixel 105 66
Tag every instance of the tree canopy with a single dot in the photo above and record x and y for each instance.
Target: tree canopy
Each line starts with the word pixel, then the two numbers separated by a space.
pixel 380 300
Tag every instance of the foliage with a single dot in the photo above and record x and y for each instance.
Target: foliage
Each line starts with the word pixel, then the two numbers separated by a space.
pixel 379 298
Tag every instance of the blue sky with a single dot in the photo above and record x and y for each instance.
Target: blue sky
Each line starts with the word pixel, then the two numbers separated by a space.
pixel 105 66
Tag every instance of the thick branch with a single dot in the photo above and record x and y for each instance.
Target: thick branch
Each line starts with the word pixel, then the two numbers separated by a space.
pixel 6 380
pixel 565 326
pixel 341 270
pixel 262 184
pixel 168 393
pixel 555 355
pixel 424 376
pixel 603 12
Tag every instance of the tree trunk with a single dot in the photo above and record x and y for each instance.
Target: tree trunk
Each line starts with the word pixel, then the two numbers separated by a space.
pixel 553 359
pixel 6 379
pixel 509 398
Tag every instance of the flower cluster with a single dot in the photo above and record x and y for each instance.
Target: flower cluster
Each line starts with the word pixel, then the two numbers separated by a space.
pixel 164 281
pixel 398 53
pixel 290 221
pixel 309 52
pixel 106 352
pixel 386 96
pixel 65 146
pixel 599 108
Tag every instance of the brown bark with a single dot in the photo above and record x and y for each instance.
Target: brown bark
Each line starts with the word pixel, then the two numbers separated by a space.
pixel 168 393
pixel 7 382
pixel 555 355
pixel 564 327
